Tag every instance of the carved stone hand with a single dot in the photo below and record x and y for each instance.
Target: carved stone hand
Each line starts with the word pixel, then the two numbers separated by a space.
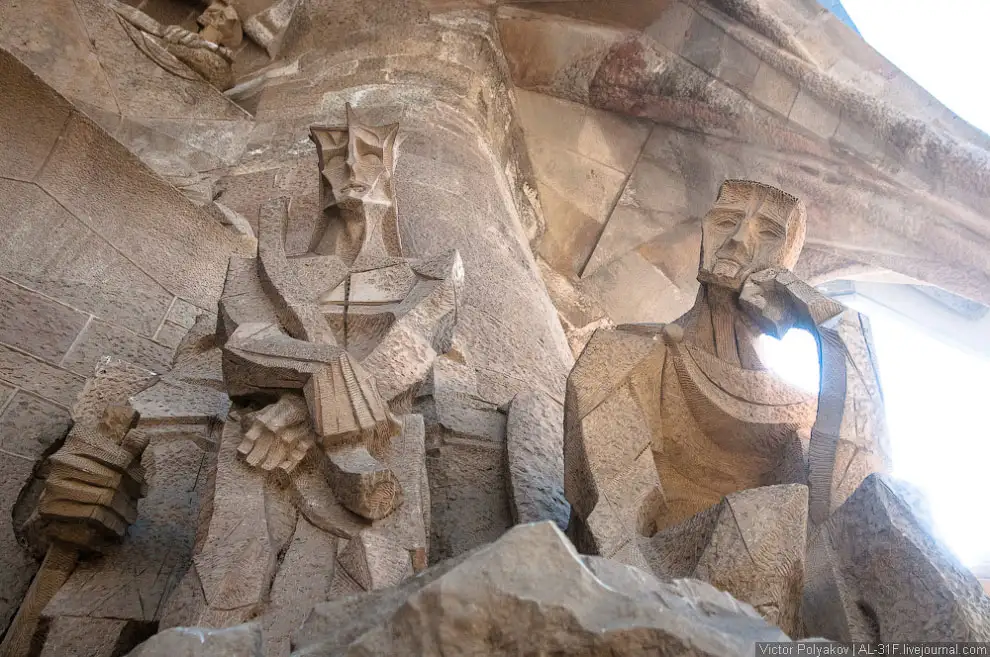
pixel 279 435
pixel 764 298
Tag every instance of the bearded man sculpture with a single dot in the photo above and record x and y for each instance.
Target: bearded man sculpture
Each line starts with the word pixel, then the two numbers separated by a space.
pixel 662 422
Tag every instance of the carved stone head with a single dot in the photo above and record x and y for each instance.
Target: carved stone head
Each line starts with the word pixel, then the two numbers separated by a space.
pixel 750 227
pixel 356 162
pixel 221 24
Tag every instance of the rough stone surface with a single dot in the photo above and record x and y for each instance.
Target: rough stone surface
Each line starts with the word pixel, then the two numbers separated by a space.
pixel 751 545
pixel 534 442
pixel 530 591
pixel 238 641
pixel 569 153
pixel 875 572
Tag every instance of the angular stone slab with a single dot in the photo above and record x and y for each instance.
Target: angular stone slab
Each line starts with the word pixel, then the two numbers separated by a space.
pixel 535 456
pixel 530 592
pixel 750 545
pixel 875 573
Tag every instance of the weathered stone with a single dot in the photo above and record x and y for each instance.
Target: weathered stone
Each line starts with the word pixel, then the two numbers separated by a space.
pixel 661 421
pixel 530 591
pixel 103 339
pixel 750 545
pixel 17 567
pixel 534 442
pixel 70 636
pixel 37 324
pixel 875 572
pixel 40 378
pixel 239 641
pixel 29 425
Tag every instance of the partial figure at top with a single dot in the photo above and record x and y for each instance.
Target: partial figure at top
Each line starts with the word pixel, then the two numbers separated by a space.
pixel 663 421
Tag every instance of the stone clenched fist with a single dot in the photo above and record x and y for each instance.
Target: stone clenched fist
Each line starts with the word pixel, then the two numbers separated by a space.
pixel 96 479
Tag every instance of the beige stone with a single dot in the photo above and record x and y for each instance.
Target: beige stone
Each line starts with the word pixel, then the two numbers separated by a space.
pixel 876 572
pixel 534 441
pixel 531 591
pixel 238 641
pixel 751 545
pixel 662 421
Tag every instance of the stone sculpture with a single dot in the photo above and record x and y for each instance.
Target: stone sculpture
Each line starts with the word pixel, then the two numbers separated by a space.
pixel 90 496
pixel 531 593
pixel 663 421
pixel 322 354
pixel 184 53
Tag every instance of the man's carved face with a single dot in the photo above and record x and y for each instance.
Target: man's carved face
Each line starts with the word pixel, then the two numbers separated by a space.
pixel 749 228
pixel 356 164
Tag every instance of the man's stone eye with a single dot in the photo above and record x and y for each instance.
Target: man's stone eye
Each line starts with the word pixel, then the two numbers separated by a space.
pixel 726 223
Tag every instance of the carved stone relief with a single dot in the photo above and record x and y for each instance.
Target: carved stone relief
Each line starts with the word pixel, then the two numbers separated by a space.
pixel 322 354
pixel 663 421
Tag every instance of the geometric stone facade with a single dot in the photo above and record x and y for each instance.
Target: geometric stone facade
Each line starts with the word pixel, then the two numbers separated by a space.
pixel 175 188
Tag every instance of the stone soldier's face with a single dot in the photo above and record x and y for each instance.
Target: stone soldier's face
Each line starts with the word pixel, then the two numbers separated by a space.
pixel 357 174
pixel 745 231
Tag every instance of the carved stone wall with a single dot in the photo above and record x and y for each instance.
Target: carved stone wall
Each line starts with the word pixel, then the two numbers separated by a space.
pixel 98 256
pixel 566 150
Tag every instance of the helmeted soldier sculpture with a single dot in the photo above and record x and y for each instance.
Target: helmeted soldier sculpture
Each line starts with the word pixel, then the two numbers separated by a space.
pixel 322 354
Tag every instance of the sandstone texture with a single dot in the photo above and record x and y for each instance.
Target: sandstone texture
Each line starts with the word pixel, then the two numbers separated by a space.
pixel 530 592
pixel 409 289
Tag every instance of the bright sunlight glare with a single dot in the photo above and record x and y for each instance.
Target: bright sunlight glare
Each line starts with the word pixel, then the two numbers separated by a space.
pixel 934 397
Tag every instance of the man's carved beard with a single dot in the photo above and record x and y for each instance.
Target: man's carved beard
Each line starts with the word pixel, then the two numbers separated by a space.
pixel 726 268
pixel 725 274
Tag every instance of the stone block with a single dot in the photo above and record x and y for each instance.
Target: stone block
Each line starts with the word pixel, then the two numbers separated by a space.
pixel 750 545
pixel 627 228
pixel 239 641
pixel 703 44
pixel 29 425
pixel 604 137
pixel 184 314
pixel 69 636
pixel 553 120
pixel 38 377
pixel 17 567
pixel 875 572
pixel 170 335
pixel 738 65
pixel 570 236
pixel 589 186
pixel 104 339
pixel 647 294
pixel 132 581
pixel 469 500
pixel 31 114
pixel 531 592
pixel 773 89
pixel 612 139
pixel 36 324
pixel 812 115
pixel 535 457
pixel 47 249
pixel 114 193
pixel 671 29
pixel 303 581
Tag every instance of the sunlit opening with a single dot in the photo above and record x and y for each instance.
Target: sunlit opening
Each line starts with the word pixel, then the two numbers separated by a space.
pixel 935 398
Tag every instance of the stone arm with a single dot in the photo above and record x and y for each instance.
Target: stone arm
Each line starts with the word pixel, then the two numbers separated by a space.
pixel 848 439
